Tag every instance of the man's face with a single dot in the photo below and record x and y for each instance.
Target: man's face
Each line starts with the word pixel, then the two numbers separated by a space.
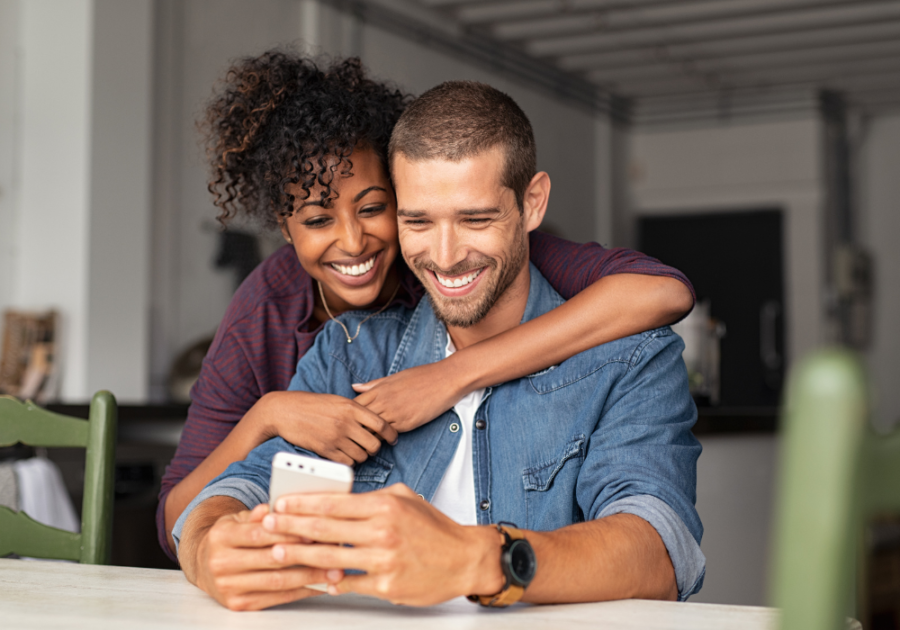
pixel 461 232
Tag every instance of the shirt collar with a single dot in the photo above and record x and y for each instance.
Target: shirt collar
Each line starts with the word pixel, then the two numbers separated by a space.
pixel 426 339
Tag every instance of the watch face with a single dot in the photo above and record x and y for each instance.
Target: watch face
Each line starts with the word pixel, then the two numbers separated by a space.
pixel 522 563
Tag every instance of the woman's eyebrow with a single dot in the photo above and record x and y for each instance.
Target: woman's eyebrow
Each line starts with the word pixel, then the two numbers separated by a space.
pixel 367 191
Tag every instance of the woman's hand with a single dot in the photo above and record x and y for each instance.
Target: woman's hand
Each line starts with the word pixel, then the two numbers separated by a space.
pixel 413 397
pixel 334 427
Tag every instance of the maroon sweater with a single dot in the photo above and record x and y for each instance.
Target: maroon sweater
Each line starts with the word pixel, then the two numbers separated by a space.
pixel 264 333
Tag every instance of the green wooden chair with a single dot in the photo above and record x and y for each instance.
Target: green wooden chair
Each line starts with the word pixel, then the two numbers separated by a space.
pixel 31 425
pixel 836 474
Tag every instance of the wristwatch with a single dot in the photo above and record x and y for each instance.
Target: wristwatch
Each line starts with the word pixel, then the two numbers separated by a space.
pixel 518 563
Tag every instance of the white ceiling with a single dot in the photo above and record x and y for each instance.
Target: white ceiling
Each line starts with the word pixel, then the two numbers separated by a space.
pixel 703 57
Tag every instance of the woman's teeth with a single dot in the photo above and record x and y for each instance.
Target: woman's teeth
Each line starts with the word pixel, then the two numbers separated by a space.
pixel 355 270
pixel 461 281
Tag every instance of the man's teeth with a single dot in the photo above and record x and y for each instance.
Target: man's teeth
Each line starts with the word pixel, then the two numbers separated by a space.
pixel 461 281
pixel 355 270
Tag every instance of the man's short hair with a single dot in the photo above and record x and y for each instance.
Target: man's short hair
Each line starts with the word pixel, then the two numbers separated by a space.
pixel 461 119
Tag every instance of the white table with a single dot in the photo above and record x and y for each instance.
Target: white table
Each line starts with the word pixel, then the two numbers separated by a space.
pixel 62 595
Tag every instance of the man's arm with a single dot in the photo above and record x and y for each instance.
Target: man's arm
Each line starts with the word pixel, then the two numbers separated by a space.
pixel 415 555
pixel 226 552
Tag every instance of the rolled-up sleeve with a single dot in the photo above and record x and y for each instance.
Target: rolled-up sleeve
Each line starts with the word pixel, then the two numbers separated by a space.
pixel 684 552
pixel 642 454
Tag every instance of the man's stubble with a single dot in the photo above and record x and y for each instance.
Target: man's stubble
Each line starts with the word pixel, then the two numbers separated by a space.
pixel 465 313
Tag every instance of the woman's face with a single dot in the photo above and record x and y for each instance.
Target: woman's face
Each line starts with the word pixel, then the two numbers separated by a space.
pixel 350 244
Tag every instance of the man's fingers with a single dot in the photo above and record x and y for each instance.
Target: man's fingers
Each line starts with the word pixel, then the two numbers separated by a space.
pixel 328 530
pixel 349 506
pixel 248 535
pixel 325 557
pixel 259 601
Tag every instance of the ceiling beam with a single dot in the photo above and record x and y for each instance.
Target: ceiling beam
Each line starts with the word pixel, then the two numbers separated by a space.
pixel 788 22
pixel 717 48
pixel 688 12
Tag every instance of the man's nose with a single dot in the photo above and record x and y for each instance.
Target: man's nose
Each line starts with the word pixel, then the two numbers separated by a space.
pixel 447 251
pixel 352 238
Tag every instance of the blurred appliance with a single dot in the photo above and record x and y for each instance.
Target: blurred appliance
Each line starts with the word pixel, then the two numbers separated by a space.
pixel 735 261
pixel 702 336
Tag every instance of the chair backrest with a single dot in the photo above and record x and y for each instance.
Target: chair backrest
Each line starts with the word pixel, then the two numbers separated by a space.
pixel 31 425
pixel 836 474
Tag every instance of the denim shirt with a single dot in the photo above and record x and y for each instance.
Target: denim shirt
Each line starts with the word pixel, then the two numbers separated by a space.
pixel 607 431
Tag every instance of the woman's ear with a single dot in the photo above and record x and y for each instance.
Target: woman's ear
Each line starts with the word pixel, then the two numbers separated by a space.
pixel 537 195
pixel 284 231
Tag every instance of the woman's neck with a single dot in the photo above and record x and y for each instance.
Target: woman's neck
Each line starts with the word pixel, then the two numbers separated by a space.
pixel 338 306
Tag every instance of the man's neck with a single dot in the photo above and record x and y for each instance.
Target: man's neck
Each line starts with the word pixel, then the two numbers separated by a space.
pixel 505 314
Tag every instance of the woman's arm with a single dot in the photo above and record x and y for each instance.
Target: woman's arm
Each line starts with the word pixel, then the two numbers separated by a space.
pixel 607 302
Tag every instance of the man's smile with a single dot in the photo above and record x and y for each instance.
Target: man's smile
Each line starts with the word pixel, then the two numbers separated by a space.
pixel 457 286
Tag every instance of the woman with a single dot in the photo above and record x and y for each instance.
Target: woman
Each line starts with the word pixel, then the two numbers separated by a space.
pixel 305 149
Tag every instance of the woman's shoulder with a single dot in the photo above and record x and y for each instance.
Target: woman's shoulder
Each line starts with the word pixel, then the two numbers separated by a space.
pixel 279 283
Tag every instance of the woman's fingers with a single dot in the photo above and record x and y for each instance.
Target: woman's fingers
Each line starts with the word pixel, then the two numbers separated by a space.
pixel 375 423
pixel 365 439
pixel 353 450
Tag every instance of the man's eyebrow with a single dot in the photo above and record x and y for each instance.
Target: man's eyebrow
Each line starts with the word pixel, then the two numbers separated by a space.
pixel 475 211
pixel 468 212
pixel 367 191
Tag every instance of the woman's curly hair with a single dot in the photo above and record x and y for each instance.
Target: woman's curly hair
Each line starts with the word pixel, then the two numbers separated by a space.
pixel 280 118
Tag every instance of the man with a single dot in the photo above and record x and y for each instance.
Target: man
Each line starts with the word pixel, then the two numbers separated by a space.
pixel 593 460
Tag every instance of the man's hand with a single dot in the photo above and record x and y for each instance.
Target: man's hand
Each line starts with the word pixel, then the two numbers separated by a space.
pixel 411 552
pixel 232 561
pixel 413 397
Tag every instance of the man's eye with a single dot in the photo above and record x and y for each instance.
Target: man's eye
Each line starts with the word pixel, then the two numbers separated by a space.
pixel 414 222
pixel 477 221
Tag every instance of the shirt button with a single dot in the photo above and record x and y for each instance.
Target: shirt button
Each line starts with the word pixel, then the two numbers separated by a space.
pixel 480 424
pixel 454 427
pixel 484 505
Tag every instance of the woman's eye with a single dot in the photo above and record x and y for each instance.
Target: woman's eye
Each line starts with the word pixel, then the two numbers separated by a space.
pixel 316 222
pixel 371 210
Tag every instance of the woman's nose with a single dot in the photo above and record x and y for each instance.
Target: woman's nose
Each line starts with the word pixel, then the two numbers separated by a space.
pixel 353 240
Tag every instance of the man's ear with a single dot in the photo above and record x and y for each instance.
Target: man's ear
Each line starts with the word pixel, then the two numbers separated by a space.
pixel 537 195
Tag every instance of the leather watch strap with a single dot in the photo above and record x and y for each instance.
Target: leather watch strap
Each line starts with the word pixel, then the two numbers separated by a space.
pixel 511 593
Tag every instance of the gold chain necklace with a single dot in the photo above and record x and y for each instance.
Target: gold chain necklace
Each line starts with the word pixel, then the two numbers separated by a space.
pixel 341 324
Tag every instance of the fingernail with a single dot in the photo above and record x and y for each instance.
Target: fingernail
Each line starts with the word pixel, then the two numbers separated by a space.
pixel 334 575
pixel 278 553
pixel 280 505
pixel 269 522
pixel 332 590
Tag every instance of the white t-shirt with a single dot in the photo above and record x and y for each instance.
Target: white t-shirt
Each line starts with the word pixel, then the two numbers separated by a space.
pixel 455 495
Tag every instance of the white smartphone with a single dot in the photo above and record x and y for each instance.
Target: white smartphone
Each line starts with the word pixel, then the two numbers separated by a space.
pixel 299 474
pixel 296 474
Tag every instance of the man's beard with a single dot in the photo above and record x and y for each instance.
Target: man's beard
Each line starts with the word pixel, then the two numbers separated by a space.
pixel 468 311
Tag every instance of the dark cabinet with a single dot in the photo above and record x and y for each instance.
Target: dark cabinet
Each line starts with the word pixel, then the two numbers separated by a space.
pixel 735 260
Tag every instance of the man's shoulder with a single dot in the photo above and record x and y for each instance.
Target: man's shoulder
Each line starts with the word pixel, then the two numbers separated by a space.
pixel 370 352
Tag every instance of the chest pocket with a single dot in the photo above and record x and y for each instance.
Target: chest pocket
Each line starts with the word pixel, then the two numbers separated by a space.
pixel 372 474
pixel 550 501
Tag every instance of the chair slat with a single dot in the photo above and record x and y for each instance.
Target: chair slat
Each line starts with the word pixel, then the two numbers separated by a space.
pixel 25 536
pixel 31 425
pixel 881 478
